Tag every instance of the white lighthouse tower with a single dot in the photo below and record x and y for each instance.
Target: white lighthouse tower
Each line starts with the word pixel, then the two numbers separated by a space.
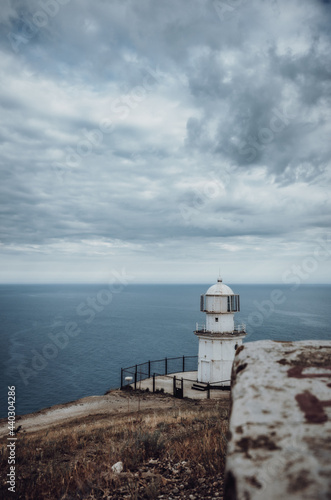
pixel 219 337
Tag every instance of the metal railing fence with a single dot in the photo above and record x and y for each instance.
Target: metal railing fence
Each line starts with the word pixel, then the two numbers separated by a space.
pixel 136 373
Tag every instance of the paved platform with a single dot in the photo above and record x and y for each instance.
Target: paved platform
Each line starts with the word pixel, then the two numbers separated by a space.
pixel 165 383
pixel 280 422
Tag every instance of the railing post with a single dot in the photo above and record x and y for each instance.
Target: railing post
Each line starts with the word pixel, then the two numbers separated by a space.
pixel 183 363
pixel 166 366
pixel 208 390
pixel 174 385
pixel 149 369
pixel 153 382
pixel 121 378
pixel 135 378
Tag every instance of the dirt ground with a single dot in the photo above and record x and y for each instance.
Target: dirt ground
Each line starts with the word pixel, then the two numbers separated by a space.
pixel 115 402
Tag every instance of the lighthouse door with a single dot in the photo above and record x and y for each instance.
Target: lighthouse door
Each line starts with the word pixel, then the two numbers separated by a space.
pixel 205 371
pixel 178 387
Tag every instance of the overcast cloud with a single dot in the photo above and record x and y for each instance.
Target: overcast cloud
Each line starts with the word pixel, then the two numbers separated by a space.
pixel 169 138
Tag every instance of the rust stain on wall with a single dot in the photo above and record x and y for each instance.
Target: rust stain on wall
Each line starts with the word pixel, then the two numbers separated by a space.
pixel 296 372
pixel 312 407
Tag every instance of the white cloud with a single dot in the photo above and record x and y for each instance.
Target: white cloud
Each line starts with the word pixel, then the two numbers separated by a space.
pixel 218 149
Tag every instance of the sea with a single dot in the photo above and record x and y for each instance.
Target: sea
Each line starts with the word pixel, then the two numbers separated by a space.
pixel 60 343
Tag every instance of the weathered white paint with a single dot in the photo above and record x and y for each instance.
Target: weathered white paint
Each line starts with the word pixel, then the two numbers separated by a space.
pixel 280 423
pixel 218 340
pixel 216 303
pixel 220 323
pixel 218 354
pixel 219 289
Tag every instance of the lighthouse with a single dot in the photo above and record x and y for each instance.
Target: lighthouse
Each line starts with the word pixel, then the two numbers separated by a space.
pixel 219 337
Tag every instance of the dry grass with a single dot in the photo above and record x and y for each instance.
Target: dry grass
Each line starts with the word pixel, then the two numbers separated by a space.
pixel 74 462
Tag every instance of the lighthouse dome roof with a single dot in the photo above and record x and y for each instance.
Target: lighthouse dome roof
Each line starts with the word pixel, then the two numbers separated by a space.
pixel 219 289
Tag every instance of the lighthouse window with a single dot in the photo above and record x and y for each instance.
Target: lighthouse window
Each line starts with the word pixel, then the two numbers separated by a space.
pixel 216 319
pixel 233 303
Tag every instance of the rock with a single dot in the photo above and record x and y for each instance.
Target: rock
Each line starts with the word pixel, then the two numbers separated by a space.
pixel 117 468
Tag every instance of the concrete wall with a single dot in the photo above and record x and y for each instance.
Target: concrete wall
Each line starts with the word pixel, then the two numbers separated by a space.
pixel 280 422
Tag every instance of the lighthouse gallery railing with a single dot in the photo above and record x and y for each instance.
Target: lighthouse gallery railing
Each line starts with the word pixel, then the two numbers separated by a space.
pixel 237 328
pixel 136 373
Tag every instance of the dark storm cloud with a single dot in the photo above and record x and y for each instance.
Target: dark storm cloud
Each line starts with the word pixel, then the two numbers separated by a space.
pixel 262 112
pixel 144 126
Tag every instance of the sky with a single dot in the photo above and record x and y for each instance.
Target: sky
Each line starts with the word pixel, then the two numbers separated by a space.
pixel 168 141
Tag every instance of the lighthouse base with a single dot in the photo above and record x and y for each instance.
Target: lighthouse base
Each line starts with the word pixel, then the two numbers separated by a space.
pixel 216 355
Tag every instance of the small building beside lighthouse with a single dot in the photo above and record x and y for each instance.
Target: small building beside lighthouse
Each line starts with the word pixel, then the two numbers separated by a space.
pixel 219 337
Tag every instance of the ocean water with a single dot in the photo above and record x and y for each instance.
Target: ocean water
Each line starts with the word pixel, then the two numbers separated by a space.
pixel 63 342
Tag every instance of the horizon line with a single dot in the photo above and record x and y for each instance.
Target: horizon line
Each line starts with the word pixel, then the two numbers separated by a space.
pixel 164 283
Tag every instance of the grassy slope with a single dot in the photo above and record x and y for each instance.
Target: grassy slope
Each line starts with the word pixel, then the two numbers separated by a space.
pixel 176 452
